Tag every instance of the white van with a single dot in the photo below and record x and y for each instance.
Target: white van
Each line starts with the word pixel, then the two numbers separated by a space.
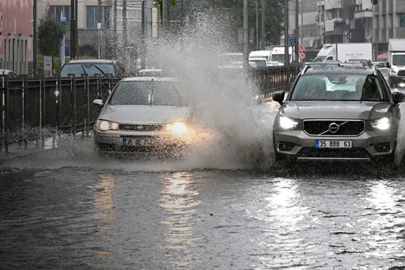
pixel 278 56
pixel 259 55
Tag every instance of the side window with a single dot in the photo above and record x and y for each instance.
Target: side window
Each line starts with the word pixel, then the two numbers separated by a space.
pixel 329 58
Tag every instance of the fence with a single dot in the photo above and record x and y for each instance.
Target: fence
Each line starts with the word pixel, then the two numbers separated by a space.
pixel 34 108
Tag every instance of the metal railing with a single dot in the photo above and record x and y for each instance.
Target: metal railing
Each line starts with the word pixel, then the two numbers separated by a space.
pixel 35 108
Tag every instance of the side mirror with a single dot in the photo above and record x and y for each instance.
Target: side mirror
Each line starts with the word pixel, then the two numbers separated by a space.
pixel 98 102
pixel 279 97
pixel 398 97
pixel 388 65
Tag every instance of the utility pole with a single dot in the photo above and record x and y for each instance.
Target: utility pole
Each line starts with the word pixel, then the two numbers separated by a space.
pixel 286 45
pixel 34 41
pixel 115 17
pixel 262 42
pixel 257 27
pixel 99 28
pixel 181 13
pixel 297 36
pixel 165 14
pixel 124 24
pixel 73 29
pixel 245 35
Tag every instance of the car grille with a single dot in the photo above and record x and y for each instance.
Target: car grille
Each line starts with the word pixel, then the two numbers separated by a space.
pixel 310 152
pixel 142 127
pixel 401 73
pixel 321 128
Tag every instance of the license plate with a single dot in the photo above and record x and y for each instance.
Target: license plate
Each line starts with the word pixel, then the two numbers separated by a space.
pixel 138 142
pixel 333 144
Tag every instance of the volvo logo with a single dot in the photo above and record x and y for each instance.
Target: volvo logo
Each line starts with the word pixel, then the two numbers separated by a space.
pixel 139 127
pixel 333 128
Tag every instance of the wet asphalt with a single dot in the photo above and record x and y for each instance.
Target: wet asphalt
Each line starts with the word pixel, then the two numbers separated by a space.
pixel 73 211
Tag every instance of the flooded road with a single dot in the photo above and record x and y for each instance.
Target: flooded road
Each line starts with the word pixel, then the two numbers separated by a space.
pixel 106 214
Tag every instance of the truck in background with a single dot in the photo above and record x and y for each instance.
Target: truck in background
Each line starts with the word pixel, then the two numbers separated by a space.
pixel 345 51
pixel 278 56
pixel 260 55
pixel 396 60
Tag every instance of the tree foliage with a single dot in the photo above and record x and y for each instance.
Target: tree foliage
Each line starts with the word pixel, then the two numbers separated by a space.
pixel 50 35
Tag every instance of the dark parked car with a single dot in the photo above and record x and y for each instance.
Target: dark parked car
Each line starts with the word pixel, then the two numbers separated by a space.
pixel 10 74
pixel 338 114
pixel 92 67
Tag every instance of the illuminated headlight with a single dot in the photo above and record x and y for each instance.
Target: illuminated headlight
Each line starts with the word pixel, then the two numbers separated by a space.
pixel 106 125
pixel 287 123
pixel 176 127
pixel 381 124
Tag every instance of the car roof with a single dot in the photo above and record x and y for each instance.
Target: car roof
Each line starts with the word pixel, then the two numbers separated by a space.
pixel 6 71
pixel 341 69
pixel 91 61
pixel 148 79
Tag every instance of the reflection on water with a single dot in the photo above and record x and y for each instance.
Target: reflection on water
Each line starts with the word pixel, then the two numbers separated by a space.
pixel 104 210
pixel 178 200
pixel 284 208
pixel 387 218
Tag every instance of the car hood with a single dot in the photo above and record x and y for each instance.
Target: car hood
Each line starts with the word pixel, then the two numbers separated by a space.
pixel 335 109
pixel 144 114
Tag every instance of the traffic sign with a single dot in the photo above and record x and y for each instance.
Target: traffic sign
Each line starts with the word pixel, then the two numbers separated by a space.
pixel 291 40
pixel 302 55
pixel 301 48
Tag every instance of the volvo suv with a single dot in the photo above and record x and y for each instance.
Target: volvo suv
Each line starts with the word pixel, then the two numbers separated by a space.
pixel 338 114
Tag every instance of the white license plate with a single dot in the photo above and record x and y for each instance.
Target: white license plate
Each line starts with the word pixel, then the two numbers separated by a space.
pixel 333 144
pixel 138 142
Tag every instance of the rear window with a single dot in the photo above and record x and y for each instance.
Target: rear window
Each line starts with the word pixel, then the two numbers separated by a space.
pixel 90 69
pixel 338 87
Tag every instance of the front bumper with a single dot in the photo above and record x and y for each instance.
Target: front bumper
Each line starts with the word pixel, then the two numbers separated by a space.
pixel 296 144
pixel 117 140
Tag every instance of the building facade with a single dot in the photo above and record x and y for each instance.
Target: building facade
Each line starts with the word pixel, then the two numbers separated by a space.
pixel 15 35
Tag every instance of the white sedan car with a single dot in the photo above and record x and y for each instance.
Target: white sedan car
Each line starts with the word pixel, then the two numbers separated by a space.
pixel 143 114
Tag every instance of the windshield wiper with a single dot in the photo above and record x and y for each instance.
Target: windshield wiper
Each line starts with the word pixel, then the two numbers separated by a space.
pixel 100 70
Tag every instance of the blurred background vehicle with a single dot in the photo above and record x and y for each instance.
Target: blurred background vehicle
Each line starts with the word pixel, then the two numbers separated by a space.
pixel 10 74
pixel 92 67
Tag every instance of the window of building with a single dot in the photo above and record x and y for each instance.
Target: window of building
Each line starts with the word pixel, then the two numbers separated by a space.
pixel 92 17
pixel 402 20
pixel 57 11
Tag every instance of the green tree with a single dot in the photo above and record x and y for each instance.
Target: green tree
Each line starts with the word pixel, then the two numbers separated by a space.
pixel 50 35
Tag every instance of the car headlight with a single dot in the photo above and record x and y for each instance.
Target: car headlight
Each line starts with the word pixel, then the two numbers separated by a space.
pixel 394 70
pixel 106 125
pixel 287 123
pixel 382 123
pixel 176 127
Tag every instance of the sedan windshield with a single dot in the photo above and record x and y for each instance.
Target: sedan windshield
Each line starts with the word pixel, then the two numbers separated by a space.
pixel 338 87
pixel 146 93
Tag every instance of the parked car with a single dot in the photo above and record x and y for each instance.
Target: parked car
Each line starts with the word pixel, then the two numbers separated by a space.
pixel 365 61
pixel 230 60
pixel 10 74
pixel 338 114
pixel 258 63
pixel 143 114
pixel 92 67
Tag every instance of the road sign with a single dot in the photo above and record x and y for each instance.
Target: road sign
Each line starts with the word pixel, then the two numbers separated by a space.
pixel 291 40
pixel 301 48
pixel 302 55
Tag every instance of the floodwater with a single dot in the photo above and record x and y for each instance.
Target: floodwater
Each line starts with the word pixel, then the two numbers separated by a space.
pixel 67 208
